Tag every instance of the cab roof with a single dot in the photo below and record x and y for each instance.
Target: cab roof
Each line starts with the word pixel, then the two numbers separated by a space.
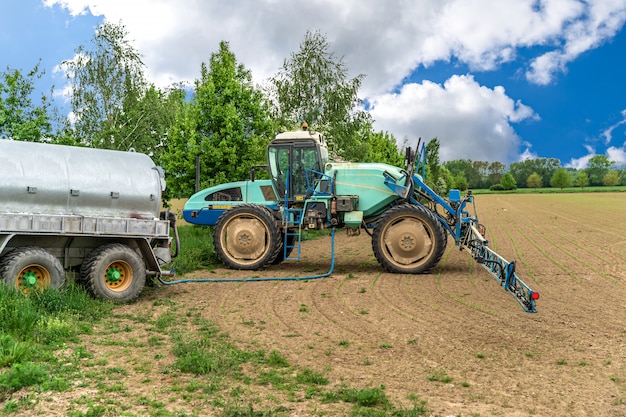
pixel 301 134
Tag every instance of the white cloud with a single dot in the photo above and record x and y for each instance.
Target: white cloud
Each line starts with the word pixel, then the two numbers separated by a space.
pixel 594 23
pixel 608 132
pixel 75 7
pixel 528 154
pixel 613 153
pixel 387 41
pixel 617 155
pixel 583 161
pixel 470 120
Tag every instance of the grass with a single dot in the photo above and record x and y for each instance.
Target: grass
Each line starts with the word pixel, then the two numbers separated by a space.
pixel 197 251
pixel 440 376
pixel 33 328
pixel 43 350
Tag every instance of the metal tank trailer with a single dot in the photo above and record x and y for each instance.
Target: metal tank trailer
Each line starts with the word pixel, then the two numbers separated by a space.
pixel 90 210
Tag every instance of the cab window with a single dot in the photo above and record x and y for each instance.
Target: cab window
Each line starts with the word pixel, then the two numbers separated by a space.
pixel 229 194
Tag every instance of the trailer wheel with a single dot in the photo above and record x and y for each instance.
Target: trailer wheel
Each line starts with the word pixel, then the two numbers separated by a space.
pixel 246 237
pixel 115 272
pixel 408 240
pixel 31 269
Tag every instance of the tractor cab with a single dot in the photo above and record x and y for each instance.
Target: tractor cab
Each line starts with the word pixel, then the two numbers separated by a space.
pixel 296 163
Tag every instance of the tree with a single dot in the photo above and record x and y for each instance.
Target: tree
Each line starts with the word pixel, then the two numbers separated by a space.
pixel 582 180
pixel 474 171
pixel 561 179
pixel 432 158
pixel 534 181
pixel 442 187
pixel 383 148
pixel 313 86
pixel 107 82
pixel 180 153
pixel 545 167
pixel 226 125
pixel 446 176
pixel 460 182
pixel 611 179
pixel 480 168
pixel 20 119
pixel 598 167
pixel 508 182
pixel 495 171
pixel 459 165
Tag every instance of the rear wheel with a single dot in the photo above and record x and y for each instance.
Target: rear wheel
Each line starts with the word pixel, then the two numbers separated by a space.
pixel 409 240
pixel 31 269
pixel 246 237
pixel 115 272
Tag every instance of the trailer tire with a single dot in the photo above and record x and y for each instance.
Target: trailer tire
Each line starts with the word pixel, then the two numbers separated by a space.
pixel 247 237
pixel 114 272
pixel 408 240
pixel 31 268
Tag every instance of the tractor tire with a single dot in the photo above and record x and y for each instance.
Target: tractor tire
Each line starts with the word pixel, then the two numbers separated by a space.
pixel 247 237
pixel 409 240
pixel 281 251
pixel 114 272
pixel 31 268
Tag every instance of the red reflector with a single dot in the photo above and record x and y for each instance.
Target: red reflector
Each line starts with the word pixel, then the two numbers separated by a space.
pixel 534 295
pixel 194 214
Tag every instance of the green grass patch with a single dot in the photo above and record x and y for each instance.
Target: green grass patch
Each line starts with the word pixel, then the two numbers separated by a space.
pixel 33 328
pixel 196 250
pixel 41 351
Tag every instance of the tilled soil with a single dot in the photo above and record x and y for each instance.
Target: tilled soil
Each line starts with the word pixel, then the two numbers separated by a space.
pixel 453 337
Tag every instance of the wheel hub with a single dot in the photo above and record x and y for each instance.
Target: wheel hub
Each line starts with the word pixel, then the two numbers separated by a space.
pixel 407 242
pixel 247 238
pixel 33 277
pixel 113 275
pixel 29 279
pixel 244 239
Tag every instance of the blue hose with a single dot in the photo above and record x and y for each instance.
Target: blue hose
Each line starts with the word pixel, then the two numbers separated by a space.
pixel 305 278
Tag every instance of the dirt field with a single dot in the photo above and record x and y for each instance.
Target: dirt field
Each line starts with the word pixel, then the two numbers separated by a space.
pixel 453 338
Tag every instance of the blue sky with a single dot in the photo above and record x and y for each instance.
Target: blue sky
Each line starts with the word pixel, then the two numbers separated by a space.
pixel 493 80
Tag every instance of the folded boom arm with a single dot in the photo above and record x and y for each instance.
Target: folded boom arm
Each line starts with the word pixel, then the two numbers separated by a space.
pixel 499 268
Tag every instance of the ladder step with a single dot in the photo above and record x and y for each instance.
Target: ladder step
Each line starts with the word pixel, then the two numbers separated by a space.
pixel 296 240
pixel 292 219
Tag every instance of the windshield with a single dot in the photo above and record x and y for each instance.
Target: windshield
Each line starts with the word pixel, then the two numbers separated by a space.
pixel 278 158
pixel 291 163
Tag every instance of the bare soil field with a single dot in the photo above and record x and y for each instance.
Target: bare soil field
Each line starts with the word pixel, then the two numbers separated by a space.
pixel 453 337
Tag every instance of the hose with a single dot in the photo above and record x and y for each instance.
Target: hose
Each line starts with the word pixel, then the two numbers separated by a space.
pixel 171 217
pixel 305 278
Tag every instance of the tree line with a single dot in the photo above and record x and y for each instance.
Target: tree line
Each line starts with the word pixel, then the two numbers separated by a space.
pixel 529 173
pixel 223 120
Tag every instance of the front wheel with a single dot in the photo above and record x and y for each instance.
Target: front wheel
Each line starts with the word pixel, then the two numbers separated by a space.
pixel 408 240
pixel 115 272
pixel 246 237
pixel 31 269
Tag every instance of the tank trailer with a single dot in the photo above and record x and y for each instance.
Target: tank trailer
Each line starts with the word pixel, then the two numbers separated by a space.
pixel 258 223
pixel 93 211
